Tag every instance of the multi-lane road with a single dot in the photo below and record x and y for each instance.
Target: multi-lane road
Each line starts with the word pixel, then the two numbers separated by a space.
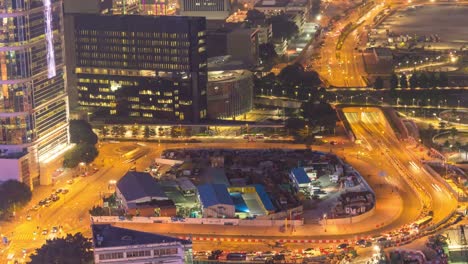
pixel 384 152
pixel 371 127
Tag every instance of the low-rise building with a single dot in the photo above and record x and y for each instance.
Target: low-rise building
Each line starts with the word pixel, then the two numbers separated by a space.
pixel 122 246
pixel 299 179
pixel 215 201
pixel 140 194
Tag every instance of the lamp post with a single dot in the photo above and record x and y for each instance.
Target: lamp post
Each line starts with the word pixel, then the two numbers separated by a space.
pixel 351 99
pixel 367 97
pixel 413 101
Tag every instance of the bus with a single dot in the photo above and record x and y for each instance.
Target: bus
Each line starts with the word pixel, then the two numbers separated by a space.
pixel 236 256
pixel 421 222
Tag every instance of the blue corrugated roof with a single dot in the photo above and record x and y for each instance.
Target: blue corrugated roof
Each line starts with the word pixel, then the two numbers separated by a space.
pixel 264 197
pixel 300 175
pixel 213 194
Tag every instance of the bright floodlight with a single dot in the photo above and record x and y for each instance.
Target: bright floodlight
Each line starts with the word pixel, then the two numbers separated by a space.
pixel 319 17
pixel 376 248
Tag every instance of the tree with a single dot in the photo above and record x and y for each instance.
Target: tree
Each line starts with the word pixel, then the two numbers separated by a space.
pixel 97 211
pixel 135 131
pixel 378 83
pixel 105 131
pixel 320 114
pixel 393 81
pixel 13 193
pixel 453 132
pixel 414 81
pixel 423 80
pixel 73 249
pixel 267 52
pixel 254 16
pixel 82 132
pixel 80 153
pixel 152 132
pixel 404 81
pixel 443 79
pixel 146 132
pixel 282 27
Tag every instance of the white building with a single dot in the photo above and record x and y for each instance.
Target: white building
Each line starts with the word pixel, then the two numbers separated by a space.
pixel 122 246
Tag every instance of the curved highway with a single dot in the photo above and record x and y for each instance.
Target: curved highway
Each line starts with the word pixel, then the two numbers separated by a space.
pixel 370 126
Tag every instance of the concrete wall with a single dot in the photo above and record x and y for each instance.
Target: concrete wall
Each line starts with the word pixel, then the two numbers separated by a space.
pixel 348 220
pixel 196 221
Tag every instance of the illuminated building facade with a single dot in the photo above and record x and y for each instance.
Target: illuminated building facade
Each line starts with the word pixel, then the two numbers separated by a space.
pixel 211 9
pixel 151 67
pixel 230 93
pixel 33 98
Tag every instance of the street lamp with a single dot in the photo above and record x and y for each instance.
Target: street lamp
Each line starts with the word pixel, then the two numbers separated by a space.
pixel 336 99
pixel 398 101
pixel 366 99
pixel 458 103
pixel 413 101
pixel 351 99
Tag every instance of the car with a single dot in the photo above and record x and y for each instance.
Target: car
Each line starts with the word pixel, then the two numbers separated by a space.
pixel 308 251
pixel 260 258
pixel 363 243
pixel 48 202
pixel 286 252
pixel 382 240
pixel 28 217
pixel 65 191
pixel 54 230
pixel 45 231
pixel 70 182
pixel 342 246
pixel 58 191
pixel 35 208
pixel 54 198
pixel 42 202
pixel 201 253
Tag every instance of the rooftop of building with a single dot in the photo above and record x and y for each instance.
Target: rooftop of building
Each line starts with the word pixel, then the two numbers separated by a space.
pixel 134 185
pixel 106 236
pixel 228 75
pixel 224 63
pixel 272 3
pixel 214 194
pixel 300 175
pixel 153 204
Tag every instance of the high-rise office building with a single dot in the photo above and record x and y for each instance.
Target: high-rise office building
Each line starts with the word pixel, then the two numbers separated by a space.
pixel 211 9
pixel 33 97
pixel 134 66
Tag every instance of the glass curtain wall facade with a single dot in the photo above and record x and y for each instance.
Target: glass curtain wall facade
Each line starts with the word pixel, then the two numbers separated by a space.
pixel 142 67
pixel 33 98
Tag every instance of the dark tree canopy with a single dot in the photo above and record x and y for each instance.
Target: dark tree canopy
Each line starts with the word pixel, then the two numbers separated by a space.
pixel 320 114
pixel 282 27
pixel 378 83
pixel 267 52
pixel 81 132
pixel 253 15
pixel 403 81
pixel 393 81
pixel 80 153
pixel 73 249
pixel 13 193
